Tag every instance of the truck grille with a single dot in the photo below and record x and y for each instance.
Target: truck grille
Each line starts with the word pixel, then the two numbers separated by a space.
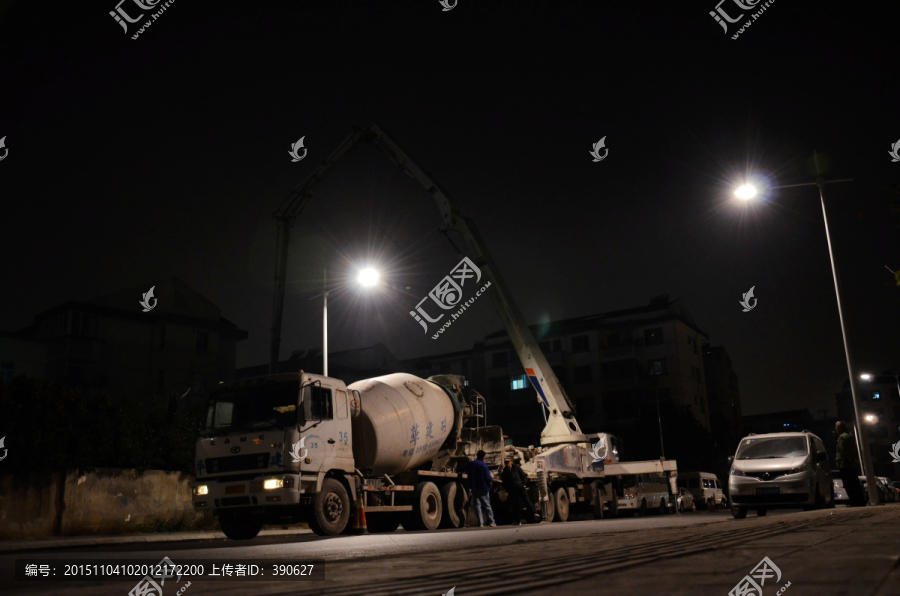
pixel 251 461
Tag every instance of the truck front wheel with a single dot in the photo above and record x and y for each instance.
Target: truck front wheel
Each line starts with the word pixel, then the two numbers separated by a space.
pixel 240 526
pixel 427 508
pixel 331 509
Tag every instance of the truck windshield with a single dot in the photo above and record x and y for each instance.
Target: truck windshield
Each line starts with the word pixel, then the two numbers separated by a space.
pixel 268 405
pixel 771 448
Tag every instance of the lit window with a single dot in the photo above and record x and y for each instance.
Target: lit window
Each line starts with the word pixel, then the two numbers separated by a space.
pixel 519 382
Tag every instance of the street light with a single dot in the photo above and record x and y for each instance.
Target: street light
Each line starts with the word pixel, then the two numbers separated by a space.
pixel 870 418
pixel 747 191
pixel 367 277
pixel 865 376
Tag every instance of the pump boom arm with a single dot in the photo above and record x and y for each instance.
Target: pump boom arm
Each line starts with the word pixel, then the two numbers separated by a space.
pixel 562 427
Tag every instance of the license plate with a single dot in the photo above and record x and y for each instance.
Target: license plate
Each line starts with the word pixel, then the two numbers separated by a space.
pixel 768 491
pixel 236 489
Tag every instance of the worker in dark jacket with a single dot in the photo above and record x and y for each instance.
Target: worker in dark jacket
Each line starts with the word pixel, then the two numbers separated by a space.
pixel 847 462
pixel 514 479
pixel 480 483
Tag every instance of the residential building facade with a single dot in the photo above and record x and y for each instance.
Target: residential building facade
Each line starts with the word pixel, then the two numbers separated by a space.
pixel 880 413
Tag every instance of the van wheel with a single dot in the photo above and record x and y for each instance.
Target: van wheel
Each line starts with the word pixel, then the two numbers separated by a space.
pixel 642 510
pixel 711 505
pixel 240 526
pixel 427 508
pixel 681 507
pixel 455 502
pixel 760 512
pixel 738 512
pixel 561 498
pixel 551 505
pixel 331 509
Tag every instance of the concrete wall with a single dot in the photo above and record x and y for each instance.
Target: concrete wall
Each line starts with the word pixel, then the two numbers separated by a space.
pixel 106 501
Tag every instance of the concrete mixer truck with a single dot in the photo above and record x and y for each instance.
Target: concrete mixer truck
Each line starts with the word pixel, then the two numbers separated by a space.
pixel 298 447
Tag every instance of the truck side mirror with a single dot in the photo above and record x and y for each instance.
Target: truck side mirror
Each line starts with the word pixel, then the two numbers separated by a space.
pixel 821 456
pixel 730 459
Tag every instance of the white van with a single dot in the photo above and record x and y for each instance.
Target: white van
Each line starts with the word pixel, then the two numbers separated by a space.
pixel 705 487
pixel 644 492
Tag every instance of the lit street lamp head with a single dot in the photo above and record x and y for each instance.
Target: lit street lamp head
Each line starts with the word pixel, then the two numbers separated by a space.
pixel 870 418
pixel 745 191
pixel 865 376
pixel 368 277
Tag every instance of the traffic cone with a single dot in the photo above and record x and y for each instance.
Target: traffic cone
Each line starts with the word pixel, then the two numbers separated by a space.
pixel 359 520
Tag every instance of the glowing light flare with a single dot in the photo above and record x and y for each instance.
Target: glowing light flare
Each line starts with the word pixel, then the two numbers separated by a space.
pixel 745 192
pixel 368 277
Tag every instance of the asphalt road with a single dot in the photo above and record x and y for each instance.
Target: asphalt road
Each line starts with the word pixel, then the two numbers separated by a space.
pixel 528 559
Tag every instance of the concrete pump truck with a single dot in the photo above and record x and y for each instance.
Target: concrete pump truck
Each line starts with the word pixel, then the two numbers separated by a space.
pixel 295 446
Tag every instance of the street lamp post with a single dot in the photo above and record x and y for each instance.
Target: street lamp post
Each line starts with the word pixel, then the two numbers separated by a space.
pixel 367 277
pixel 747 192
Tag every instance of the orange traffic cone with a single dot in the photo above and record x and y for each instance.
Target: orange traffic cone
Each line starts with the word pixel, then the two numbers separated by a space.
pixel 359 520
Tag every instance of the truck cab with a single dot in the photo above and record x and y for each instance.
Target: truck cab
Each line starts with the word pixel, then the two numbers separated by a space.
pixel 268 444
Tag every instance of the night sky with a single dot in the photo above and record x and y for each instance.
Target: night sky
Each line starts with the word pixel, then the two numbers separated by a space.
pixel 134 160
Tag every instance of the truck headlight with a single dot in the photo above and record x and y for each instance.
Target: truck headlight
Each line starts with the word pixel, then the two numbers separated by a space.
pixel 201 490
pixel 630 495
pixel 273 483
pixel 736 472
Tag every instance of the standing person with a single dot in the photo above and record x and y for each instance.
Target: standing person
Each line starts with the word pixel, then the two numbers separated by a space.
pixel 480 482
pixel 514 478
pixel 847 462
pixel 517 465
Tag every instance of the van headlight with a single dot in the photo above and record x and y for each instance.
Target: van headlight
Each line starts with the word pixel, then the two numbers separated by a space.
pixel 273 483
pixel 799 470
pixel 736 472
pixel 201 490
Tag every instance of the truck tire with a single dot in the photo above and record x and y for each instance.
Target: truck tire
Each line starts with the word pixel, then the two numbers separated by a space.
pixel 551 506
pixel 599 491
pixel 561 504
pixel 427 508
pixel 240 526
pixel 456 503
pixel 613 509
pixel 331 509
pixel 382 523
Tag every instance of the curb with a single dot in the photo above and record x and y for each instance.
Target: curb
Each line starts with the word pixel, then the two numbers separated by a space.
pixel 48 543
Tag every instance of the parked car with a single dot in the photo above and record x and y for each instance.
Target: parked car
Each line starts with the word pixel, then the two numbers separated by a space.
pixel 780 470
pixel 683 501
pixel 644 492
pixel 705 487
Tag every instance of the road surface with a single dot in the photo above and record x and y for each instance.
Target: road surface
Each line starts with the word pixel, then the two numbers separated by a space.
pixel 840 551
